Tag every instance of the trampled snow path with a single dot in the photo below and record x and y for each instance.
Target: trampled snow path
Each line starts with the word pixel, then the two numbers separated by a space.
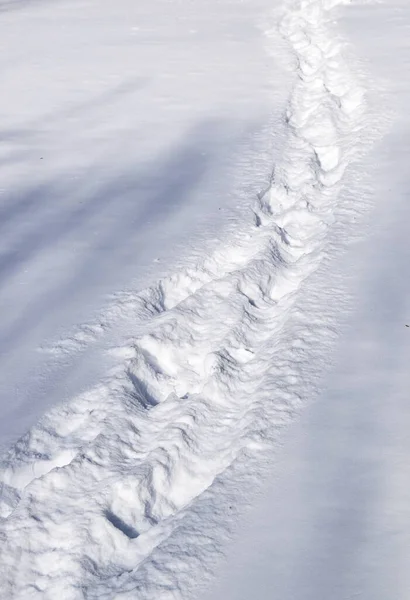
pixel 212 372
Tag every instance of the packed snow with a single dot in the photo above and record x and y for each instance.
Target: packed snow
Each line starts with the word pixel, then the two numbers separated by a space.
pixel 187 195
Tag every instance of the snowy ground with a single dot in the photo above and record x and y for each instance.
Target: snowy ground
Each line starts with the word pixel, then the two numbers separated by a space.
pixel 177 311
pixel 127 146
pixel 334 520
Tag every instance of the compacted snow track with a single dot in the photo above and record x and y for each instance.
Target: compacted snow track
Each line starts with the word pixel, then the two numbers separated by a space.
pixel 211 372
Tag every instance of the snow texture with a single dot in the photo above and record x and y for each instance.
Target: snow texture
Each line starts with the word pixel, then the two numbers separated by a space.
pixel 129 489
pixel 333 518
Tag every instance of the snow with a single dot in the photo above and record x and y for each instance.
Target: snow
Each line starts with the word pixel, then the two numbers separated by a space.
pixel 128 147
pixel 173 406
pixel 333 518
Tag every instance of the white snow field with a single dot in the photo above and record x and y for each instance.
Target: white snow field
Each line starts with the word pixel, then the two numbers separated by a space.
pixel 334 519
pixel 185 192
pixel 127 146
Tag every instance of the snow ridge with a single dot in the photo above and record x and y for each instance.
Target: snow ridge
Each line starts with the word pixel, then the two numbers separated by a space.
pixel 99 483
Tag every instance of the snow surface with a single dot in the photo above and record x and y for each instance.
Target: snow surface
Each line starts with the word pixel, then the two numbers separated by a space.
pixel 170 403
pixel 333 521
pixel 127 147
